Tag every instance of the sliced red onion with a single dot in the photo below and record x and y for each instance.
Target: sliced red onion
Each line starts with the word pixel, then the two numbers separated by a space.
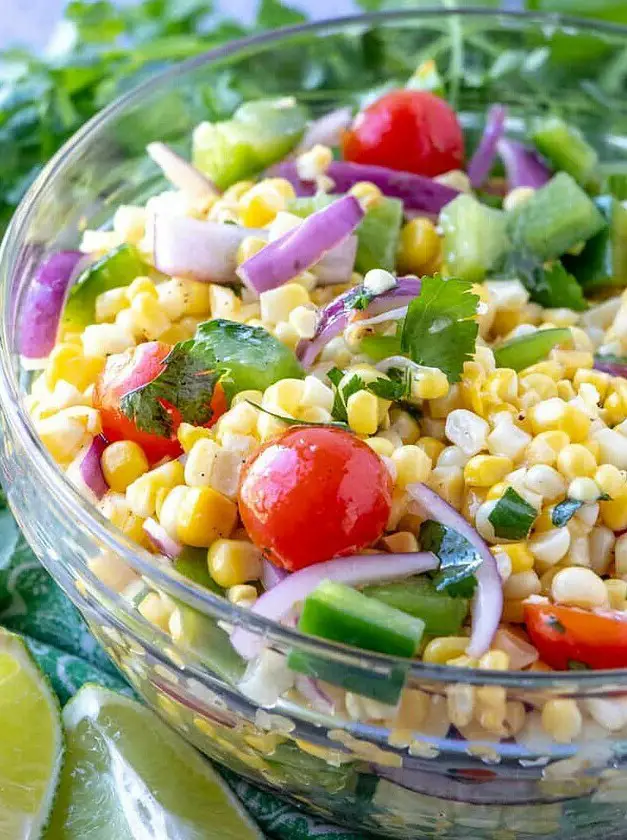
pixel 358 570
pixel 523 166
pixel 416 191
pixel 161 540
pixel 44 302
pixel 180 172
pixel 205 251
pixel 521 653
pixel 326 131
pixel 337 265
pixel 271 574
pixel 488 598
pixel 317 698
pixel 336 316
pixel 303 246
pixel 91 469
pixel 391 315
pixel 611 365
pixel 483 159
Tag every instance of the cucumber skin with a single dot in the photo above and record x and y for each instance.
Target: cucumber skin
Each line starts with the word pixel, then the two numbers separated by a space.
pixel 566 148
pixel 559 216
pixel 475 238
pixel 603 262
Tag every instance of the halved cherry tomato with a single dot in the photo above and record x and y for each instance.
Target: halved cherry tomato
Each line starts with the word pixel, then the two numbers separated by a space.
pixel 312 494
pixel 569 637
pixel 125 372
pixel 410 130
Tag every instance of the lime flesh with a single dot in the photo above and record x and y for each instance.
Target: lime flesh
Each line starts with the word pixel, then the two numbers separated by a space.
pixel 31 745
pixel 128 776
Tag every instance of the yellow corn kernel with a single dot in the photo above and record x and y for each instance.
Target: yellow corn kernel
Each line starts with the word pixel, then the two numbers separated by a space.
pixel 62 437
pixel 601 381
pixel 260 204
pixel 614 512
pixel 448 482
pixel 122 463
pixel 141 495
pixel 141 285
pixel 440 408
pixel 440 650
pixel 204 516
pixel 496 491
pixel 148 315
pixel 420 247
pixel 474 497
pixel 188 435
pixel 573 360
pixel 519 555
pixel 237 190
pixel 382 446
pixel 556 415
pixel 277 304
pixel 367 193
pixel 200 462
pixel 494 660
pixel 68 363
pixel 362 409
pixel 544 522
pixel 616 593
pixel 549 368
pixel 545 447
pixel 561 719
pixel 233 562
pixel 565 390
pixel 242 594
pixel 109 303
pixel 463 661
pixel 156 610
pixel 431 447
pixel 429 384
pixel 542 384
pixel 285 395
pixel 487 470
pixel 248 247
pixel 460 703
pixel 412 465
pixel 223 302
pixel 610 480
pixel 506 320
pixel 403 542
pixel 576 461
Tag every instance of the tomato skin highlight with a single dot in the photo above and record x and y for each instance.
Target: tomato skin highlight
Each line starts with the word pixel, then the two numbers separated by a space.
pixel 409 130
pixel 313 494
pixel 568 635
pixel 125 372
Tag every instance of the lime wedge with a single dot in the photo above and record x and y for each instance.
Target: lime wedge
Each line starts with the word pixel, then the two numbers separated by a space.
pixel 31 742
pixel 128 776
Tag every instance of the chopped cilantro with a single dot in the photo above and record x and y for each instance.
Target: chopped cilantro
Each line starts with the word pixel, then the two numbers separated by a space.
pixel 565 511
pixel 458 559
pixel 576 665
pixel 555 624
pixel 512 517
pixel 360 300
pixel 549 285
pixel 440 329
pixel 293 421
pixel 396 389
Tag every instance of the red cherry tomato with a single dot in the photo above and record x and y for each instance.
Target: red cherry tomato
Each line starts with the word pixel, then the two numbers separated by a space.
pixel 126 372
pixel 313 494
pixel 567 637
pixel 410 130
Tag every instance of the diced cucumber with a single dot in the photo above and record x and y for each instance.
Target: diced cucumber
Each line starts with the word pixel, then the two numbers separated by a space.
pixel 200 634
pixel 117 268
pixel 259 134
pixel 192 564
pixel 555 219
pixel 475 238
pixel 338 612
pixel 377 234
pixel 566 148
pixel 417 596
pixel 603 262
pixel 519 353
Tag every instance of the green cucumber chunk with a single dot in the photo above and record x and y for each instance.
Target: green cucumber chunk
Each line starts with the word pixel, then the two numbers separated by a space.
pixel 338 612
pixel 377 234
pixel 512 516
pixel 258 135
pixel 117 268
pixel 520 353
pixel 556 218
pixel 603 261
pixel 417 596
pixel 192 564
pixel 380 347
pixel 475 238
pixel 566 148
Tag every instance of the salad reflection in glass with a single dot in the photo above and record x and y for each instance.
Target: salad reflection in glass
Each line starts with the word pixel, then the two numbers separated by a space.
pixel 365 385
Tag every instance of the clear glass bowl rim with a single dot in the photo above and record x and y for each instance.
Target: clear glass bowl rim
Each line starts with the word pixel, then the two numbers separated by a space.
pixel 89 518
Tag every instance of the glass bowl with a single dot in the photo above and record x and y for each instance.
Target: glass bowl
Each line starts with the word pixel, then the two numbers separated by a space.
pixel 423 771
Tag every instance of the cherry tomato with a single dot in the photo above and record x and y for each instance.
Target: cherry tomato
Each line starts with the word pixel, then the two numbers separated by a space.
pixel 125 372
pixel 312 494
pixel 410 130
pixel 567 637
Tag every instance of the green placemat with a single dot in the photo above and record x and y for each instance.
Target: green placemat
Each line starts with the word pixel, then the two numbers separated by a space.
pixel 33 605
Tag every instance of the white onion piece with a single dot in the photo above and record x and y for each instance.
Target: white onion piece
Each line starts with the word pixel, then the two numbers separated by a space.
pixel 180 172
pixel 521 653
pixel 161 540
pixel 488 598
pixel 357 570
pixel 337 264
pixel 315 696
pixel 327 130
pixel 392 315
pixel 271 574
pixel 205 251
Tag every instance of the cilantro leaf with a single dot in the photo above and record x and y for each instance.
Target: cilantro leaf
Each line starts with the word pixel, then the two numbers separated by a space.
pixel 293 421
pixel 564 511
pixel 549 285
pixel 458 559
pixel 512 516
pixel 396 389
pixel 440 329
pixel 359 299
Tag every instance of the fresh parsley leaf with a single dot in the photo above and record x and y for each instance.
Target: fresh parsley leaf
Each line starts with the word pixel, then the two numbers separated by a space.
pixel 293 421
pixel 396 389
pixel 440 329
pixel 458 559
pixel 512 516
pixel 564 511
pixel 549 285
